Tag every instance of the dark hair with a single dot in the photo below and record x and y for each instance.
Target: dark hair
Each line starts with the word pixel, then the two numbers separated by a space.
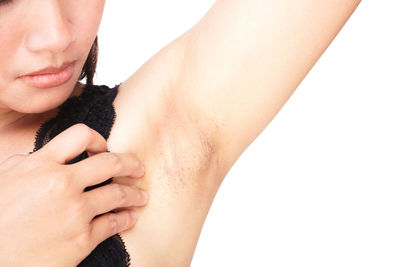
pixel 89 68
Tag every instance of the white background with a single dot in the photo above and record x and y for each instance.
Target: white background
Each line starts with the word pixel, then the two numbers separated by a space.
pixel 320 186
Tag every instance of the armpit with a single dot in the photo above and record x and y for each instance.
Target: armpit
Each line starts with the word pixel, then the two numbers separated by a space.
pixel 187 150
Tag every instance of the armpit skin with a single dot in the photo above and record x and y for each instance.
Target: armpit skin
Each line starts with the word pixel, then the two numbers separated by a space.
pixel 188 147
pixel 182 179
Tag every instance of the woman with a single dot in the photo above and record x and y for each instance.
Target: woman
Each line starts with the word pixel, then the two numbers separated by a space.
pixel 41 185
pixel 193 108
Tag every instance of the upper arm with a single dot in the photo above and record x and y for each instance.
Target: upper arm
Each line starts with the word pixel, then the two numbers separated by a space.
pixel 190 111
pixel 244 59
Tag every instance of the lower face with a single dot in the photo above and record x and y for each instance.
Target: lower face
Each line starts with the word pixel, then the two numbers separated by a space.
pixel 44 33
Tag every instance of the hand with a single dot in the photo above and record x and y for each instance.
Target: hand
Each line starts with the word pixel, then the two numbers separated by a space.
pixel 47 218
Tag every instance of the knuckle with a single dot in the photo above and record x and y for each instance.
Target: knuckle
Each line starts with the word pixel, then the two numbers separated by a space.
pixel 118 166
pixel 136 164
pixel 60 180
pixel 134 160
pixel 128 219
pixel 112 157
pixel 80 234
pixel 113 222
pixel 79 208
pixel 140 198
pixel 83 240
pixel 114 160
pixel 67 171
pixel 83 130
pixel 121 193
pixel 82 127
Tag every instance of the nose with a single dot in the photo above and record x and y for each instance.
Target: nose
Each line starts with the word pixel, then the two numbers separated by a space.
pixel 50 30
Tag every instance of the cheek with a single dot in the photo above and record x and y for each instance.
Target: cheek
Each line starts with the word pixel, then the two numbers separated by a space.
pixel 7 49
pixel 10 43
pixel 87 17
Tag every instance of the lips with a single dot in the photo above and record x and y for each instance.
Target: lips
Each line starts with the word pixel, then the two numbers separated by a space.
pixel 49 77
pixel 50 70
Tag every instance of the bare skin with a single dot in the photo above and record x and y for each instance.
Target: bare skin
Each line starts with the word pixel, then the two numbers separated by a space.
pixel 19 138
pixel 39 186
pixel 218 86
pixel 193 108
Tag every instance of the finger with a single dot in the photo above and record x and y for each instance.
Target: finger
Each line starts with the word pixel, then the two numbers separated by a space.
pixel 102 166
pixel 72 142
pixel 110 224
pixel 11 161
pixel 109 197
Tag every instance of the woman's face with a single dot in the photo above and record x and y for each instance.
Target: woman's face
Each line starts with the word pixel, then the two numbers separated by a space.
pixel 36 34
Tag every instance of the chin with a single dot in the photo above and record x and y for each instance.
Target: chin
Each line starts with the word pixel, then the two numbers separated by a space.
pixel 36 100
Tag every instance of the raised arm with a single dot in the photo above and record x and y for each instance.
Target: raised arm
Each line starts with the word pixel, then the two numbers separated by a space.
pixel 193 108
pixel 244 59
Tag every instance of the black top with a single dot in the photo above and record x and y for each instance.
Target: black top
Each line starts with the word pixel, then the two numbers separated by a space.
pixel 94 107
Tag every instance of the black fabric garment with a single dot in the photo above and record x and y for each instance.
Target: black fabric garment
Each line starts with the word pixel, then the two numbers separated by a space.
pixel 93 107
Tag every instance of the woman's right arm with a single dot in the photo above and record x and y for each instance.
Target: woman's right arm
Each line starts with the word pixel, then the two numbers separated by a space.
pixel 47 218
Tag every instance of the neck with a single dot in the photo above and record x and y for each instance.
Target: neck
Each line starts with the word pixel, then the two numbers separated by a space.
pixel 11 119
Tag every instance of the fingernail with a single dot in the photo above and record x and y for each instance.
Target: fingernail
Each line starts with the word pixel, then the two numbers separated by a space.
pixel 141 170
pixel 138 171
pixel 133 214
pixel 145 195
